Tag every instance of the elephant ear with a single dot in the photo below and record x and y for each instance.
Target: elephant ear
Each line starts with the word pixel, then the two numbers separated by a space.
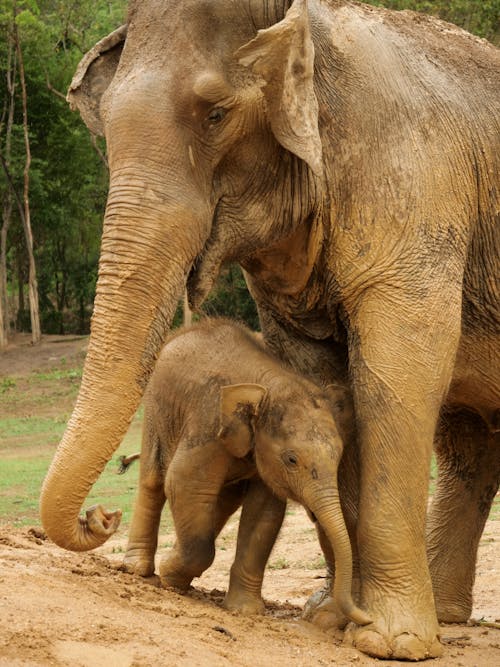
pixel 283 56
pixel 92 77
pixel 239 405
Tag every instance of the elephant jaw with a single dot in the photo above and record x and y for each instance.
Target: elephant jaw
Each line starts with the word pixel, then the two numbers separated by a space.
pixel 202 277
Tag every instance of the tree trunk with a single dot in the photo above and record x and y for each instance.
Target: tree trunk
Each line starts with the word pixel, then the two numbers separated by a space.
pixel 10 77
pixel 4 301
pixel 32 281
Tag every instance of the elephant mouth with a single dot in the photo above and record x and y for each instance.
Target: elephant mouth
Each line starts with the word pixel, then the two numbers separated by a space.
pixel 205 268
pixel 200 281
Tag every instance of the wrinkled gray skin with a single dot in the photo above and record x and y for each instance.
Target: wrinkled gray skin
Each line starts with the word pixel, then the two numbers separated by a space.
pixel 221 414
pixel 348 157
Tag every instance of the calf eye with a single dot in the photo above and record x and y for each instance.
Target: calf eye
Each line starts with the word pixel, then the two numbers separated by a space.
pixel 216 115
pixel 289 459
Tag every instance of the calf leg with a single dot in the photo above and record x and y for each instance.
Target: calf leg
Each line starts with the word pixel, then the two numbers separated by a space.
pixel 143 536
pixel 261 519
pixel 193 493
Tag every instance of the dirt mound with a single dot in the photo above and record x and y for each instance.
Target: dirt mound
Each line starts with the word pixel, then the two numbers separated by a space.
pixel 59 608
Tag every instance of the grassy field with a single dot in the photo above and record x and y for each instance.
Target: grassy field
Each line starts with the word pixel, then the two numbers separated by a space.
pixel 34 408
pixel 34 412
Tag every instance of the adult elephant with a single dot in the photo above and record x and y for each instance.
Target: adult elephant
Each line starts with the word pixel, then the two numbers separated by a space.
pixel 348 157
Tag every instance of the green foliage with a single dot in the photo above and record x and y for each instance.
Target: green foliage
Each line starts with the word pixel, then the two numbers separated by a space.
pixel 68 179
pixel 481 17
pixel 230 298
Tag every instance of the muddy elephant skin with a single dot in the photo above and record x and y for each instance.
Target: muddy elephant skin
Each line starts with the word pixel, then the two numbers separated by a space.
pixel 221 417
pixel 348 158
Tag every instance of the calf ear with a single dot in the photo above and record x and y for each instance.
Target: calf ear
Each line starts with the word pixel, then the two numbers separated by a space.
pixel 92 77
pixel 283 55
pixel 239 404
pixel 340 399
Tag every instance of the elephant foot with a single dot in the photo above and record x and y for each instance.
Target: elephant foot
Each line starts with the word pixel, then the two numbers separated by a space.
pixel 322 610
pixel 403 627
pixel 177 581
pixel 453 613
pixel 404 646
pixel 138 562
pixel 172 576
pixel 453 598
pixel 243 602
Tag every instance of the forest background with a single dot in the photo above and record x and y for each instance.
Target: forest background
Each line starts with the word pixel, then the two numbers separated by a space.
pixel 53 174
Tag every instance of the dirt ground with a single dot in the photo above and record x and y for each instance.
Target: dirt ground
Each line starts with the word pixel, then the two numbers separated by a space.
pixel 65 609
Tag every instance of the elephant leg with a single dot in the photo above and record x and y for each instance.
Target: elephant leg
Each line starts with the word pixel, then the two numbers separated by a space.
pixel 230 498
pixel 468 479
pixel 193 493
pixel 143 535
pixel 261 519
pixel 402 350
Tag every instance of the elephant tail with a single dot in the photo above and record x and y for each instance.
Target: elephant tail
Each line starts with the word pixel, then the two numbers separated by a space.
pixel 125 462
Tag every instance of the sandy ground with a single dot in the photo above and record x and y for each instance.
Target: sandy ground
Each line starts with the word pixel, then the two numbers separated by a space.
pixel 60 608
pixel 65 609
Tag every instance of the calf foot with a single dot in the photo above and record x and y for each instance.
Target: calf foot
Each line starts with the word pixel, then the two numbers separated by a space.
pixel 244 592
pixel 139 562
pixel 174 572
pixel 174 578
pixel 244 602
pixel 322 610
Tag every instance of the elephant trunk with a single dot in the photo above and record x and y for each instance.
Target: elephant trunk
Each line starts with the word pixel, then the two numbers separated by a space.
pixel 328 512
pixel 142 273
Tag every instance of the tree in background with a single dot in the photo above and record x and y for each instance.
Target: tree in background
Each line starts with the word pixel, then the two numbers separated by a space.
pixel 481 17
pixel 16 74
pixel 67 177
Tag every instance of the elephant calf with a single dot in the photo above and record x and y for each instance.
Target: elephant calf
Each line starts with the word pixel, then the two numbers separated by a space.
pixel 226 424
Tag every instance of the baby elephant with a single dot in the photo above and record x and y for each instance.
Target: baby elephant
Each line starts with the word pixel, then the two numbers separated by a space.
pixel 226 424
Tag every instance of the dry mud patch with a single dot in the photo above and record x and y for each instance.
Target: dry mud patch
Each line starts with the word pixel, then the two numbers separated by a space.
pixel 59 608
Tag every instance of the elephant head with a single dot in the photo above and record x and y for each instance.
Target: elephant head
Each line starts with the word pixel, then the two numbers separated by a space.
pixel 210 119
pixel 293 437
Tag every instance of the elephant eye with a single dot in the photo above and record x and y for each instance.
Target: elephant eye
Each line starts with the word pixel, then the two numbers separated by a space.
pixel 216 115
pixel 289 459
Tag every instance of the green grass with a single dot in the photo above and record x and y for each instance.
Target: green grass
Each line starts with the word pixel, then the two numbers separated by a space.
pixel 317 564
pixel 57 375
pixel 15 427
pixel 21 477
pixel 6 383
pixel 279 564
pixel 37 407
